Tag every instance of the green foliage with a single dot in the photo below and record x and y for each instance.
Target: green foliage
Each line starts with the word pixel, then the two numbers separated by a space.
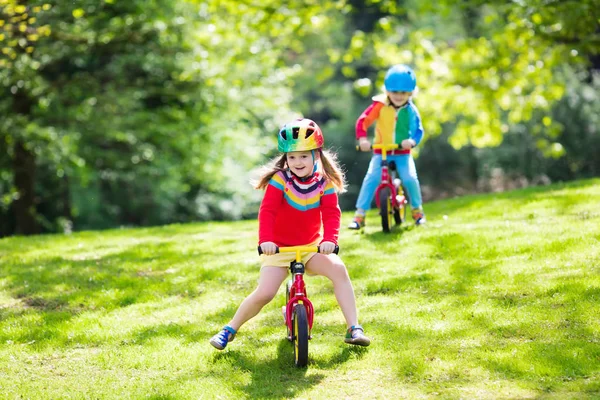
pixel 484 73
pixel 19 32
pixel 148 112
pixel 496 74
pixel 530 153
pixel 497 298
pixel 109 70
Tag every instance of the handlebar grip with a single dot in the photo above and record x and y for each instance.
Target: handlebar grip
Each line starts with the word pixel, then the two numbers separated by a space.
pixel 260 250
pixel 335 251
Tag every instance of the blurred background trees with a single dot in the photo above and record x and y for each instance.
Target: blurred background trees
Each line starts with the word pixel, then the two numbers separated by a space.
pixel 137 113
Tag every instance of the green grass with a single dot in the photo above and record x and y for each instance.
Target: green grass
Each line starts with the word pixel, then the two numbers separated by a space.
pixel 498 297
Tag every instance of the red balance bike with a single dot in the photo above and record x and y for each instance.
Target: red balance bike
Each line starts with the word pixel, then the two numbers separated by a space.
pixel 298 311
pixel 389 195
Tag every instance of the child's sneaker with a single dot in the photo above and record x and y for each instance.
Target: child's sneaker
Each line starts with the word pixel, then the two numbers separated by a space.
pixel 418 216
pixel 356 335
pixel 358 222
pixel 220 340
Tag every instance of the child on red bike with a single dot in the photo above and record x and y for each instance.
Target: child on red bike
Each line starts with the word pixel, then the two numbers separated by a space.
pixel 300 200
pixel 397 121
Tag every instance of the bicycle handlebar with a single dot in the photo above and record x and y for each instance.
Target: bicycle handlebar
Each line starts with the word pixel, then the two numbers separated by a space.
pixel 296 249
pixel 383 147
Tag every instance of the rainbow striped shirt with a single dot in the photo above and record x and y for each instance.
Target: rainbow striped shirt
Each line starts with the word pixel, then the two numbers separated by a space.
pixel 298 212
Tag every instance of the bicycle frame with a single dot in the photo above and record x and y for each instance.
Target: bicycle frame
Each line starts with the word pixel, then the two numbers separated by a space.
pixel 299 311
pixel 298 293
pixel 386 180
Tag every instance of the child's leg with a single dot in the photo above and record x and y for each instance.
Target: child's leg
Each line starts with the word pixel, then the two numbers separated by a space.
pixel 369 184
pixel 332 267
pixel 408 173
pixel 268 284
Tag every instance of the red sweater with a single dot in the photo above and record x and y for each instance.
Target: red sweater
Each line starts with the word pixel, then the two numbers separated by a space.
pixel 293 212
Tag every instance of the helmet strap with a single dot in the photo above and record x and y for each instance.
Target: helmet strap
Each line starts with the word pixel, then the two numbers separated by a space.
pixel 315 157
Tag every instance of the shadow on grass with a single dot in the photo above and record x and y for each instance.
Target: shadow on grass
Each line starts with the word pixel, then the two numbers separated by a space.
pixel 276 378
pixel 49 291
pixel 545 354
pixel 549 353
pixel 395 234
pixel 279 378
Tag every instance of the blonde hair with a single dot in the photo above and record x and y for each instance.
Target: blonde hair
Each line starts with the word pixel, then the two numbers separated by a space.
pixel 331 170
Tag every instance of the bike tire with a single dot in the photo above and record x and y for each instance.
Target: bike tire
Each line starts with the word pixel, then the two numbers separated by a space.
pixel 300 337
pixel 385 209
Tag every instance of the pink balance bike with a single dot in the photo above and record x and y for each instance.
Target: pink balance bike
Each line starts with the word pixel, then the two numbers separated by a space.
pixel 298 311
pixel 389 195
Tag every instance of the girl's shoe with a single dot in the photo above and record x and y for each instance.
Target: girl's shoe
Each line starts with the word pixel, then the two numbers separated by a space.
pixel 220 340
pixel 358 222
pixel 356 335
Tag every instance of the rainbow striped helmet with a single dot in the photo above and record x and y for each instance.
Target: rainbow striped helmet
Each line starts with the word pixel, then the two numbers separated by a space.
pixel 301 134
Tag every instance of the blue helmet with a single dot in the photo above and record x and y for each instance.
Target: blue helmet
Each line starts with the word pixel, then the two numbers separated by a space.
pixel 400 78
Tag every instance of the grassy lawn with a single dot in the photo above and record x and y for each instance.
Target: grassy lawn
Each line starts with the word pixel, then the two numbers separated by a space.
pixel 498 297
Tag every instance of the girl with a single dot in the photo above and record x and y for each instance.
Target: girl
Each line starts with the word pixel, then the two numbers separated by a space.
pixel 300 199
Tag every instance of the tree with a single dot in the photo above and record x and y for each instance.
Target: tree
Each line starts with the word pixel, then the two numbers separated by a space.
pixel 145 112
pixel 18 35
pixel 485 69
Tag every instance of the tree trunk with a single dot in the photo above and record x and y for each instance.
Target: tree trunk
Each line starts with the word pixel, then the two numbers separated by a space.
pixel 24 175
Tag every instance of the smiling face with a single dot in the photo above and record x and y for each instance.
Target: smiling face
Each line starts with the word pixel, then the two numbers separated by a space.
pixel 301 163
pixel 399 98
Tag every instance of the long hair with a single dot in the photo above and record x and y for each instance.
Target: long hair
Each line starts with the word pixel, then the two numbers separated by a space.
pixel 271 168
pixel 330 167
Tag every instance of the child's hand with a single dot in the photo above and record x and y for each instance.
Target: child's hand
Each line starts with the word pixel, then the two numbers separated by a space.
pixel 268 248
pixel 408 144
pixel 364 144
pixel 327 247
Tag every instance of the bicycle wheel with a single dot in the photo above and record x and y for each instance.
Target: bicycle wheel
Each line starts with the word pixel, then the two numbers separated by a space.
pixel 300 338
pixel 385 209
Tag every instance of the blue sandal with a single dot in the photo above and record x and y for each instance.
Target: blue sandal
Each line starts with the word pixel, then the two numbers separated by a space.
pixel 220 340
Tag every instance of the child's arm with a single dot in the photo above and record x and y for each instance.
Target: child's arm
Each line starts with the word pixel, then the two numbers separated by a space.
pixel 415 130
pixel 330 214
pixel 268 210
pixel 366 119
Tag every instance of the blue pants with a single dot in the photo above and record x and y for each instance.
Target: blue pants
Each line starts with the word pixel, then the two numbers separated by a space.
pixel 405 165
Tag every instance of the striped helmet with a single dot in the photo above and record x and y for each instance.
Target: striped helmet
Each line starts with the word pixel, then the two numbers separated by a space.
pixel 301 134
